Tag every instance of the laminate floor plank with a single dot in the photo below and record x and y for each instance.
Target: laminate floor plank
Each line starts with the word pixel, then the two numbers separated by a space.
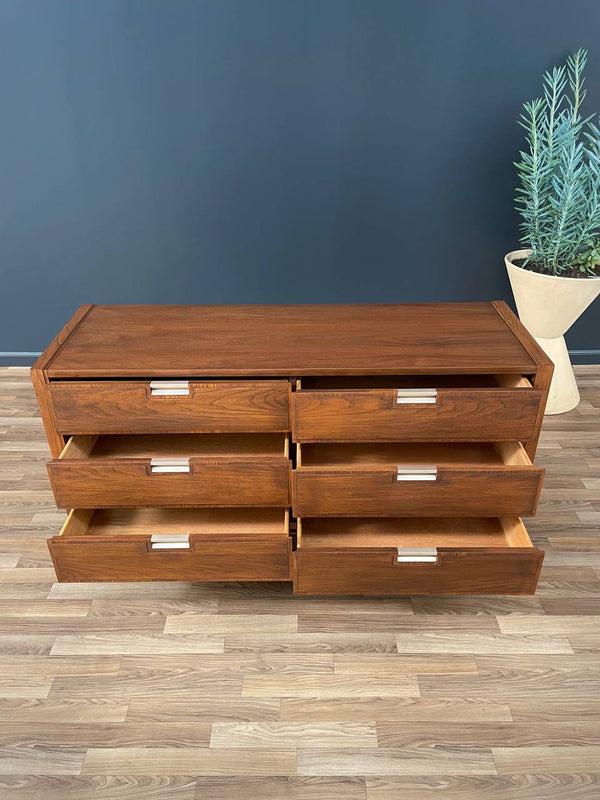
pixel 149 606
pixel 120 787
pixel 405 761
pixel 404 710
pixel 26 644
pixel 281 788
pixel 558 710
pixel 65 710
pixel 181 683
pixel 203 709
pixel 388 623
pixel 478 643
pixel 487 734
pixel 236 663
pixel 23 575
pixel 578 605
pixel 329 686
pixel 44 761
pixel 44 608
pixel 497 787
pixel 311 643
pixel 187 760
pixel 135 643
pixel 102 734
pixel 92 591
pixel 81 625
pixel 369 664
pixel 32 666
pixel 515 760
pixel 289 604
pixel 565 624
pixel 231 623
pixel 278 735
pixel 585 642
pixel 429 604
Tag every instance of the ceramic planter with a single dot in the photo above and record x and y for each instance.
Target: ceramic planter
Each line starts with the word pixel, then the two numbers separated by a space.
pixel 548 306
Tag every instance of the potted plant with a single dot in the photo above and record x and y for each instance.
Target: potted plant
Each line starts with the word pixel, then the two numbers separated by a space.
pixel 556 277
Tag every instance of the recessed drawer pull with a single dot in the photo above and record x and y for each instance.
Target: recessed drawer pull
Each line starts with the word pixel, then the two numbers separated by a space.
pixel 175 541
pixel 166 388
pixel 416 396
pixel 169 465
pixel 417 554
pixel 417 473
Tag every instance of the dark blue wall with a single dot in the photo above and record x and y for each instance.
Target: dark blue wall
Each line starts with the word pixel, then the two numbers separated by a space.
pixel 227 151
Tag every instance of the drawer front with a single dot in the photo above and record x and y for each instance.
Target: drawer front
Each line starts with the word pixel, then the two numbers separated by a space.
pixel 370 571
pixel 126 483
pixel 139 407
pixel 453 491
pixel 134 559
pixel 372 415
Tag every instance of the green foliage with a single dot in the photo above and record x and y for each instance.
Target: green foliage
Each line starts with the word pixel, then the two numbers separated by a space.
pixel 589 260
pixel 559 192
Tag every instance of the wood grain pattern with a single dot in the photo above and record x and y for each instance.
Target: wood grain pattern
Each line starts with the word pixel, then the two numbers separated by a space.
pixel 224 544
pixel 290 340
pixel 129 407
pixel 543 376
pixel 295 787
pixel 188 760
pixel 123 787
pixel 130 483
pixel 404 761
pixel 224 470
pixel 403 710
pixel 374 415
pixel 531 707
pixel 328 686
pixel 281 735
pixel 376 571
pixel 476 490
pixel 549 786
pixel 41 384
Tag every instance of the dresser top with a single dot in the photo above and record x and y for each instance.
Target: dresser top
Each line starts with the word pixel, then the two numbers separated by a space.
pixel 289 340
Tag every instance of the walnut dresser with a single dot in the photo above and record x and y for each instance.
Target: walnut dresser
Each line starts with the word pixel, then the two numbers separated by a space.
pixel 351 449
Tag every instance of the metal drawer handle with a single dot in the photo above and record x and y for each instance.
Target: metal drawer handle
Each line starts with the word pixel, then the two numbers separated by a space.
pixel 169 465
pixel 416 396
pixel 173 541
pixel 417 554
pixel 165 388
pixel 417 474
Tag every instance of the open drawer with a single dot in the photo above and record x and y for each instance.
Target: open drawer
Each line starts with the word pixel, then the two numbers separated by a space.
pixel 405 556
pixel 184 544
pixel 420 408
pixel 405 479
pixel 172 470
pixel 170 406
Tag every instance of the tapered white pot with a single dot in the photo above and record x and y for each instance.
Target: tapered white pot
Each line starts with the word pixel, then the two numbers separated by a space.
pixel 548 306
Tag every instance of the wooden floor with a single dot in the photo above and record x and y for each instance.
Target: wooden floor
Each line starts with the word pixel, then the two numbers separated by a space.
pixel 243 692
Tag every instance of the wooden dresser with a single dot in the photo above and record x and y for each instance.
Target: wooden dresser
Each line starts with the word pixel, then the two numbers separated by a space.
pixel 351 449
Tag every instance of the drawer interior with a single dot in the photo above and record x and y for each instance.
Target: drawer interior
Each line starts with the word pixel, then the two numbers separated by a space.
pixel 411 532
pixel 247 446
pixel 119 522
pixel 416 454
pixel 343 383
